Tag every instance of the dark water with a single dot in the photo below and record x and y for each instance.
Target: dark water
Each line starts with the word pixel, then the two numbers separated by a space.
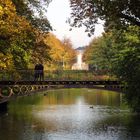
pixel 70 114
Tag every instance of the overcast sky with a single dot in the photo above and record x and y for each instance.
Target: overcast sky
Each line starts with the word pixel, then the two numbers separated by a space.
pixel 57 13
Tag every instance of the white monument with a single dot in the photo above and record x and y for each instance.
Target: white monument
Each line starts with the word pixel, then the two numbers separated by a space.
pixel 80 65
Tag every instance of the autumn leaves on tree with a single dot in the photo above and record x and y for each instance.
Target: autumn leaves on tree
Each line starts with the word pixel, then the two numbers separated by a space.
pixel 24 39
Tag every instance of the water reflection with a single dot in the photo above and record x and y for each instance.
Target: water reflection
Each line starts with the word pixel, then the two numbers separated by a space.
pixel 68 114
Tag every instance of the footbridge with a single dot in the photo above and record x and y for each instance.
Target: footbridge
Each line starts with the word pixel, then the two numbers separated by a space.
pixel 23 83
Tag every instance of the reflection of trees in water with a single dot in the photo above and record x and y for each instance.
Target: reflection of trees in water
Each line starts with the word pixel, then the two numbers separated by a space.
pixel 10 128
pixel 91 96
pixel 21 107
pixel 30 122
pixel 102 97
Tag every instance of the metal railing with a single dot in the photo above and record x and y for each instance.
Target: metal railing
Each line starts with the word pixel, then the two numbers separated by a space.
pixel 75 75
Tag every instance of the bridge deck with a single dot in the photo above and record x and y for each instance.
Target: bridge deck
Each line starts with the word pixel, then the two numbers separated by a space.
pixel 59 82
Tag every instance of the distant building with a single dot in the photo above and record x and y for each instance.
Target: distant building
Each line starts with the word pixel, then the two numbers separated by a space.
pixel 80 65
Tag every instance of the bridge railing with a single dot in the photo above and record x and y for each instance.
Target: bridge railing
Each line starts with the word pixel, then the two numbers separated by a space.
pixel 29 75
pixel 6 75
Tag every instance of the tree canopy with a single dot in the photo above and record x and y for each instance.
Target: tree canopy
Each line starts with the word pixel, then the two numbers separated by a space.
pixel 16 37
pixel 22 44
pixel 33 11
pixel 113 12
pixel 61 53
pixel 118 51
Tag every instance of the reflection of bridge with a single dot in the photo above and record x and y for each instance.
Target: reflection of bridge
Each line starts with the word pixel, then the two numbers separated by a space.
pixel 10 89
pixel 20 84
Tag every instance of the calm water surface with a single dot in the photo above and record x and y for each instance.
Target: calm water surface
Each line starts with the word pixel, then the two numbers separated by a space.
pixel 70 114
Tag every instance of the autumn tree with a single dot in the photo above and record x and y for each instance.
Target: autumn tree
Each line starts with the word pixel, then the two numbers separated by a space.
pixel 16 37
pixel 61 53
pixel 40 52
pixel 69 54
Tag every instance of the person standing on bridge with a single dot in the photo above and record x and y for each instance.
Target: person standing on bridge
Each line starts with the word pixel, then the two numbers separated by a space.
pixel 41 72
pixel 36 72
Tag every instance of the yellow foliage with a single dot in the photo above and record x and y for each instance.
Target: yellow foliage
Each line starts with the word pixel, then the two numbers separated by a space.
pixel 61 54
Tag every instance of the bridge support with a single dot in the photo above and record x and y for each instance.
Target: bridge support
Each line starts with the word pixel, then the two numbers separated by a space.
pixel 3 106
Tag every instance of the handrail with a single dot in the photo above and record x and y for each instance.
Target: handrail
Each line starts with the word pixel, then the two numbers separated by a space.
pixel 29 75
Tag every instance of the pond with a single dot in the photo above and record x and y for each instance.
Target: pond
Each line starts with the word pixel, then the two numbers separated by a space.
pixel 70 114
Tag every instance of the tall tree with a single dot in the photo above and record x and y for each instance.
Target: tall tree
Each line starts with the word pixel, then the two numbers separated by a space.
pixel 127 66
pixel 119 51
pixel 69 54
pixel 100 53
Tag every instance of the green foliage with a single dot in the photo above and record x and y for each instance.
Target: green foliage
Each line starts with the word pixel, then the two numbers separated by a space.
pixel 101 52
pixel 128 66
pixel 119 52
pixel 40 51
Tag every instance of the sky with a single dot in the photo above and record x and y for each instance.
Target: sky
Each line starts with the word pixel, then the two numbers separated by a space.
pixel 57 14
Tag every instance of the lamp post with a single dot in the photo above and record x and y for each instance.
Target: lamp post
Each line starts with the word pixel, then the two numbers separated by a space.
pixel 63 64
